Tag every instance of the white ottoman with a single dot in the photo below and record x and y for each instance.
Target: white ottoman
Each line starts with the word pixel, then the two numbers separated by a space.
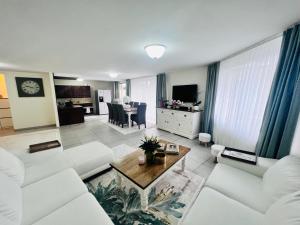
pixel 216 149
pixel 204 138
pixel 89 159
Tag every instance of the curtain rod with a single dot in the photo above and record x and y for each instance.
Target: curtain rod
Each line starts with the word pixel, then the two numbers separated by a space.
pixel 259 43
pixel 253 46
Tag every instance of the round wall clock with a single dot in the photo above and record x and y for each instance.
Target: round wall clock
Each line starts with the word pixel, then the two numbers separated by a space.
pixel 30 87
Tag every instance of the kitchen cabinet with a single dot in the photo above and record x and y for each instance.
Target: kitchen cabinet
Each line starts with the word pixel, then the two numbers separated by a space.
pixel 67 91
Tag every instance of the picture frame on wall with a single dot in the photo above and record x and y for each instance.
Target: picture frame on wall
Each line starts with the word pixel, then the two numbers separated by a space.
pixel 30 87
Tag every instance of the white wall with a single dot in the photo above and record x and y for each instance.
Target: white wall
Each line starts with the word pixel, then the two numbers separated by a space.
pixel 295 149
pixel 95 85
pixel 28 112
pixel 195 75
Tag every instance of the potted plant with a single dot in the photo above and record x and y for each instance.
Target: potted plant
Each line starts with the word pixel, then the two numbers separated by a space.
pixel 150 144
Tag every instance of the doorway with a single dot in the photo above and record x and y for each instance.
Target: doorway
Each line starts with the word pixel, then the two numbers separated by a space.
pixel 6 124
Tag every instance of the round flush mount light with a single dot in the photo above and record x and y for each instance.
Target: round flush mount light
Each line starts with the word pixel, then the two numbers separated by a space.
pixel 155 51
pixel 113 75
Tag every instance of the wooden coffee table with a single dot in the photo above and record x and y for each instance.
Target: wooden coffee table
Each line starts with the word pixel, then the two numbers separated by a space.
pixel 143 177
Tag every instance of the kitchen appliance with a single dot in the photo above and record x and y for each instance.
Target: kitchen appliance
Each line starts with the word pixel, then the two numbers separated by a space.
pixel 102 97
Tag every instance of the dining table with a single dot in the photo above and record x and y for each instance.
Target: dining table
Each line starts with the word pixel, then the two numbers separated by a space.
pixel 130 111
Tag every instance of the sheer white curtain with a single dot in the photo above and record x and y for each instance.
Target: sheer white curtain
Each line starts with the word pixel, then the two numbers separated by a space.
pixel 295 149
pixel 144 90
pixel 243 89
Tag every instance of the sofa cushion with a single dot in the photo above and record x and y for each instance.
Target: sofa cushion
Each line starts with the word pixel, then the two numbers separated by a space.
pixel 82 210
pixel 214 208
pixel 45 196
pixel 5 221
pixel 286 211
pixel 10 201
pixel 89 157
pixel 30 159
pixel 283 177
pixel 11 166
pixel 239 185
pixel 54 165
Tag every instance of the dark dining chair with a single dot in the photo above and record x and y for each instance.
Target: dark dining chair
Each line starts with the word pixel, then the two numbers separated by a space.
pixel 110 112
pixel 135 104
pixel 131 104
pixel 115 114
pixel 140 116
pixel 122 116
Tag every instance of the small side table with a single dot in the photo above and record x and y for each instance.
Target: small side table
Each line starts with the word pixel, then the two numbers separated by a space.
pixel 204 138
pixel 216 149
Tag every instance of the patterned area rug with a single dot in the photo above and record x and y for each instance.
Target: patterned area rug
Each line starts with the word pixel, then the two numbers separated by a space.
pixel 169 200
pixel 126 129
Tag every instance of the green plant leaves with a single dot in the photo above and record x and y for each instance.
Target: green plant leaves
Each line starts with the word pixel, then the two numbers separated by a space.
pixel 124 207
pixel 150 144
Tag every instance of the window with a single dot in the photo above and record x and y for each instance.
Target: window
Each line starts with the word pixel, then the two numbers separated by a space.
pixel 122 91
pixel 243 89
pixel 144 90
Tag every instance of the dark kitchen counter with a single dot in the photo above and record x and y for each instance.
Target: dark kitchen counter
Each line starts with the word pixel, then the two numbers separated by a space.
pixel 71 115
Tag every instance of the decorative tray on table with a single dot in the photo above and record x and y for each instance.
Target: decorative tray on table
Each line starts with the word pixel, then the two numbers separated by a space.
pixel 44 146
pixel 240 155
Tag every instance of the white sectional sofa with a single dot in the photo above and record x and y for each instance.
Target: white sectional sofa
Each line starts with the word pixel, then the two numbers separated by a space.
pixel 241 194
pixel 48 190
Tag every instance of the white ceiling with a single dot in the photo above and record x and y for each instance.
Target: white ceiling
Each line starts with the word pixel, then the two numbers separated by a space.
pixel 95 37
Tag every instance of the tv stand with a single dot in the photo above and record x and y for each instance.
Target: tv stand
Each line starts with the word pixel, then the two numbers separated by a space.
pixel 179 122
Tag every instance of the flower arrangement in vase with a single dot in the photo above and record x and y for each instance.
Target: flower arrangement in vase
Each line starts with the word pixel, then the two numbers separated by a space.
pixel 176 104
pixel 149 145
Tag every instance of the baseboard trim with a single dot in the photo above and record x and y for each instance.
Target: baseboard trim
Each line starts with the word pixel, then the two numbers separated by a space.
pixel 36 128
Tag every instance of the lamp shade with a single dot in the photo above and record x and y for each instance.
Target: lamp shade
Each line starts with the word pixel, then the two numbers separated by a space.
pixel 155 51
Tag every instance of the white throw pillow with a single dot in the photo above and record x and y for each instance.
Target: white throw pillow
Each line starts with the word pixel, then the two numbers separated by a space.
pixel 12 166
pixel 286 211
pixel 10 201
pixel 283 177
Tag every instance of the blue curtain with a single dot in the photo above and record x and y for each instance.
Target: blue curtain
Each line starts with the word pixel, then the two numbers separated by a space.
pixel 161 92
pixel 282 110
pixel 207 121
pixel 128 87
pixel 116 90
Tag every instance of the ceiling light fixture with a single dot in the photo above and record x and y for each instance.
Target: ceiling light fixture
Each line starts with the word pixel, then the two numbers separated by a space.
pixel 155 51
pixel 79 79
pixel 113 75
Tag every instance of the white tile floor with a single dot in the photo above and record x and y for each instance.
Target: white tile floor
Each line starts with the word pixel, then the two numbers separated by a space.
pixel 199 160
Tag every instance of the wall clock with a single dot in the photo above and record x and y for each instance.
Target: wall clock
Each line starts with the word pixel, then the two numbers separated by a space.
pixel 30 87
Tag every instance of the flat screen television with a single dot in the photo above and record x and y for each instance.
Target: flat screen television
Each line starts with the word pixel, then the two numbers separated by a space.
pixel 185 93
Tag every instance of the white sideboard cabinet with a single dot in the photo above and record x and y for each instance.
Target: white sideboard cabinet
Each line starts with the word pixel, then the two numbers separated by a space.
pixel 183 123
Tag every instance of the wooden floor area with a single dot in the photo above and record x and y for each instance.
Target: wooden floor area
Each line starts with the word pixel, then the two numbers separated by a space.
pixel 6 132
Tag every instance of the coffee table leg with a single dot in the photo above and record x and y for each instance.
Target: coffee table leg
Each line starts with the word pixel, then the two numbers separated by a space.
pixel 183 164
pixel 144 198
pixel 129 122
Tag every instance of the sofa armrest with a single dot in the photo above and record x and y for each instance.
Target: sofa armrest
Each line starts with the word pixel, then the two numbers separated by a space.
pixel 258 170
